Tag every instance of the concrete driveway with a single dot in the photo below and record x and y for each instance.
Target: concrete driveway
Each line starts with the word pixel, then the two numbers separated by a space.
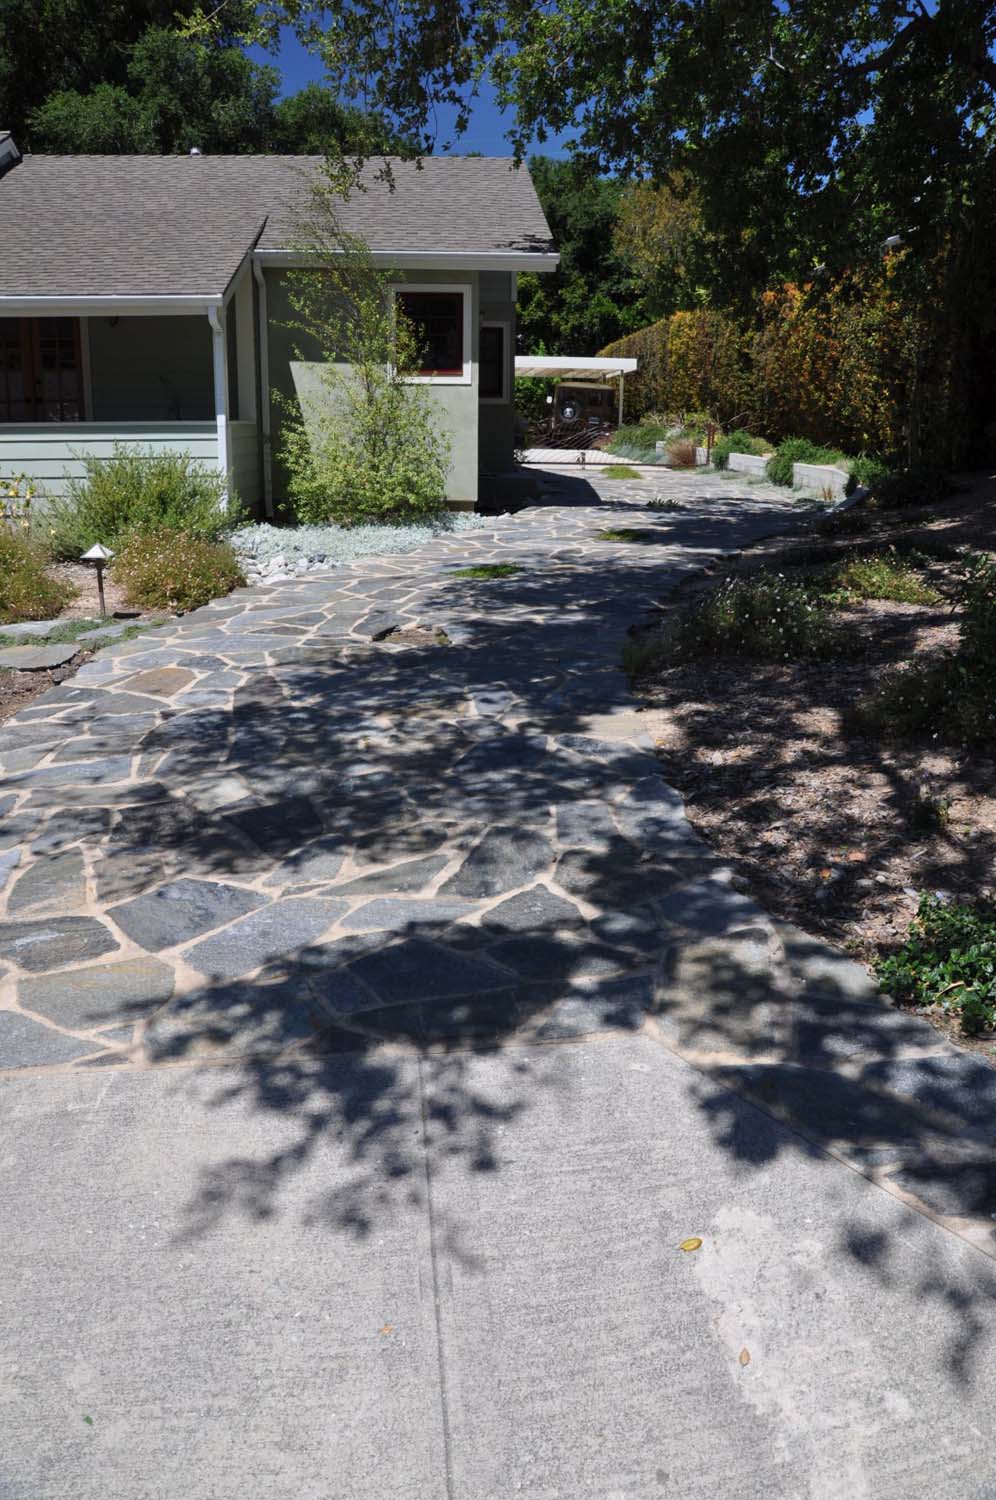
pixel 375 1031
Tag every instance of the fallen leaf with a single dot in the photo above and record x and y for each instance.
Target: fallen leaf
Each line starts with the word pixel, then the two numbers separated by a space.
pixel 745 1356
pixel 88 1421
pixel 387 1328
pixel 691 1244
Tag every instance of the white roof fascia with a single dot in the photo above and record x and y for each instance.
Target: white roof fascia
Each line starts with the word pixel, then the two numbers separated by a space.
pixel 104 305
pixel 431 260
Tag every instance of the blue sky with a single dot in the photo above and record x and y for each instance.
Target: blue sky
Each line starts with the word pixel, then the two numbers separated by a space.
pixel 486 133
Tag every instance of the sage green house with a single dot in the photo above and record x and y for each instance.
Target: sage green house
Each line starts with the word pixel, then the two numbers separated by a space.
pixel 144 301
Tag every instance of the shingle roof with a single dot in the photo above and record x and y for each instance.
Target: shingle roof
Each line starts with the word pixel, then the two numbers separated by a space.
pixel 145 226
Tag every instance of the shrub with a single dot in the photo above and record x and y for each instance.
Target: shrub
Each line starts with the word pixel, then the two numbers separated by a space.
pixel 691 362
pixel 922 485
pixel 620 471
pixel 681 454
pixel 26 591
pixel 873 576
pixel 132 491
pixel 799 451
pixel 639 443
pixel 176 570
pixel 867 471
pixel 953 695
pixel 736 442
pixel 364 442
pixel 766 616
pixel 948 959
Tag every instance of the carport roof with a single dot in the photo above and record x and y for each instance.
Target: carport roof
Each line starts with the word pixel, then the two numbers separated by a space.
pixel 572 367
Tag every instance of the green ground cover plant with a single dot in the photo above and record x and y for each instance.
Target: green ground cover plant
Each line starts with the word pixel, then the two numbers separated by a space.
pixel 166 569
pixel 625 534
pixel 767 617
pixel 800 451
pixel 873 576
pixel 488 570
pixel 620 471
pixel 951 696
pixel 736 442
pixel 69 631
pixel 924 484
pixel 135 490
pixel 948 959
pixel 26 590
pixel 639 442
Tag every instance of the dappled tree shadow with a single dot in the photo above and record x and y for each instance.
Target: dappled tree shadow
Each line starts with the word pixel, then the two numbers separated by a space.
pixel 513 876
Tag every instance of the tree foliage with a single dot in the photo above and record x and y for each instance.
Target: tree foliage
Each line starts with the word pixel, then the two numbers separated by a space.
pixel 795 119
pixel 81 76
pixel 593 296
pixel 360 442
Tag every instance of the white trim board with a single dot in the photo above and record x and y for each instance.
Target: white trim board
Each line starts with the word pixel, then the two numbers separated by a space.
pixel 77 307
pixel 506 362
pixel 465 290
pixel 428 260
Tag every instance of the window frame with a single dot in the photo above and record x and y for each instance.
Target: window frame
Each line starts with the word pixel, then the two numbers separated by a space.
pixel 464 290
pixel 30 334
pixel 506 363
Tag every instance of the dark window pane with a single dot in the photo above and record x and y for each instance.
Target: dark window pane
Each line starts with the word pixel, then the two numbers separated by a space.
pixel 437 318
pixel 492 364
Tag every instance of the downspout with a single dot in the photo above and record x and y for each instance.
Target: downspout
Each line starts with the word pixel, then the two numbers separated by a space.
pixel 220 363
pixel 263 346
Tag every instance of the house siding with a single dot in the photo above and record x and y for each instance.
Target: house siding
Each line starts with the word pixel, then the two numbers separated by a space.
pixel 497 419
pixel 49 454
pixel 245 461
pixel 457 405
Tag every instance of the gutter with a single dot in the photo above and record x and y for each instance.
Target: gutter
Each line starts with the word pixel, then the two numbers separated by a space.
pixel 431 260
pixel 108 304
pixel 263 350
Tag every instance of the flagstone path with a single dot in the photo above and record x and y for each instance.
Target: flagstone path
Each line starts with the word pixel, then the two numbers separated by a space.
pixel 390 805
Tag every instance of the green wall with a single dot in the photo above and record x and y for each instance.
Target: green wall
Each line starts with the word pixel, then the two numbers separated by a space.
pixel 151 369
pixel 457 404
pixel 497 421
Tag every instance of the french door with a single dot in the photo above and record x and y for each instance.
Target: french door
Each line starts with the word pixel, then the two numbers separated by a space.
pixel 41 370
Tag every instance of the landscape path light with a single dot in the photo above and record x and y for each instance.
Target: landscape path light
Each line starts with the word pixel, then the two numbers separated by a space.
pixel 100 556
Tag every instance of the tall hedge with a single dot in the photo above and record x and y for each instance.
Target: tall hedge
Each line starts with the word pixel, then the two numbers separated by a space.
pixel 856 364
pixel 690 362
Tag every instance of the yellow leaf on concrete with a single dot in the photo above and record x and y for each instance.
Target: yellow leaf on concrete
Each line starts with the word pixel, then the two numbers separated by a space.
pixel 745 1356
pixel 692 1244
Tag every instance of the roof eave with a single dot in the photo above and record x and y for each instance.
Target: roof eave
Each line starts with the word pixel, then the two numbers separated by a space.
pixel 59 305
pixel 424 260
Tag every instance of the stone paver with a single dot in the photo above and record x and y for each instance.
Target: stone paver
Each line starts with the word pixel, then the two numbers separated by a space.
pixel 36 658
pixel 463 833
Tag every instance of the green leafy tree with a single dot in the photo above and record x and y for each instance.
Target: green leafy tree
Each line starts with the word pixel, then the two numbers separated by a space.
pixel 592 297
pixel 361 442
pixel 660 235
pixel 178 92
pixel 314 122
pixel 799 120
pixel 47 46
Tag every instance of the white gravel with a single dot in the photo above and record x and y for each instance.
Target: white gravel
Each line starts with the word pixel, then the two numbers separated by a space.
pixel 275 552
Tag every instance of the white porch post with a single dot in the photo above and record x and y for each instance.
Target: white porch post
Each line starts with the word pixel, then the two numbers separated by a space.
pixel 622 387
pixel 220 352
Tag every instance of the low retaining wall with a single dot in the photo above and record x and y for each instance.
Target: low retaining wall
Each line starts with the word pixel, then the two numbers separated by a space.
pixel 818 477
pixel 749 463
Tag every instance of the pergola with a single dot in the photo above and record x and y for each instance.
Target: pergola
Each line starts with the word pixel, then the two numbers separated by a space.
pixel 575 367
